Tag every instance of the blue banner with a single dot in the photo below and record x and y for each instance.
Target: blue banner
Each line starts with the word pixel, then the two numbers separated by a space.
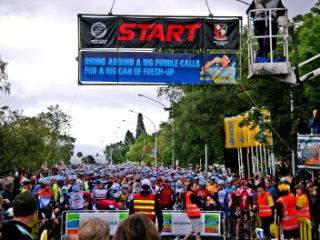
pixel 308 151
pixel 156 68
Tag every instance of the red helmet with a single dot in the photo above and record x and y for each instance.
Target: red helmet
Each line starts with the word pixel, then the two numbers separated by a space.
pixel 243 182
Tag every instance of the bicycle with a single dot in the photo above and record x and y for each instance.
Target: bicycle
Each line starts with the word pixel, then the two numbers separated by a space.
pixel 244 229
pixel 48 224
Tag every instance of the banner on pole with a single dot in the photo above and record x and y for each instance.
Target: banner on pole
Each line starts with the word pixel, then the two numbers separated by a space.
pixel 156 68
pixel 308 151
pixel 161 32
pixel 239 137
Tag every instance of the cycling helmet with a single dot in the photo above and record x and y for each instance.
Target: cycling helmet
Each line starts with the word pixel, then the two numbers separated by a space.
pixel 229 180
pixel 179 184
pixel 125 186
pixel 138 189
pixel 60 180
pixel 47 182
pixel 75 188
pixel 243 182
pixel 221 182
pixel 79 182
pixel 26 181
pixel 202 183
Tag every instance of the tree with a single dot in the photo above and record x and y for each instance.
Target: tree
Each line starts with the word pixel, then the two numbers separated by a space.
pixel 4 83
pixel 88 160
pixel 26 141
pixel 129 138
pixel 140 126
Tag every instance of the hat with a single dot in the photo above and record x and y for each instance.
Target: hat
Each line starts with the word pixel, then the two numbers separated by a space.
pixel 309 184
pixel 146 182
pixel 3 212
pixel 283 187
pixel 261 185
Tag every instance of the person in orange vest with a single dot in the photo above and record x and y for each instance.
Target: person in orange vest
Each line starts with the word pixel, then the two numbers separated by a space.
pixel 193 205
pixel 302 203
pixel 266 209
pixel 287 214
pixel 145 202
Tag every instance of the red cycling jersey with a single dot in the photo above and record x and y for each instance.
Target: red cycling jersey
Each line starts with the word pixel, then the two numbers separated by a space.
pixel 203 194
pixel 244 195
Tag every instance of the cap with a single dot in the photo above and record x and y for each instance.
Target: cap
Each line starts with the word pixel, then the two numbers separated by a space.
pixel 283 187
pixel 261 185
pixel 146 182
pixel 309 184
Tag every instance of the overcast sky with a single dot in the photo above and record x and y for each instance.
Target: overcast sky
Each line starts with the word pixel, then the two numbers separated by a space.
pixel 38 38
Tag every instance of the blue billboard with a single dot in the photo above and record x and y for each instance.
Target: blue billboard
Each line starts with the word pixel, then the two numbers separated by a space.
pixel 137 68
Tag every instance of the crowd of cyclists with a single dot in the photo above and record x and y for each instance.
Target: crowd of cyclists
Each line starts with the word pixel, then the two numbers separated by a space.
pixel 112 187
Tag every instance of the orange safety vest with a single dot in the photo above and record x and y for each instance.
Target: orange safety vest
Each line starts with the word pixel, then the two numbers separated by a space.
pixel 144 205
pixel 264 208
pixel 289 219
pixel 192 208
pixel 304 211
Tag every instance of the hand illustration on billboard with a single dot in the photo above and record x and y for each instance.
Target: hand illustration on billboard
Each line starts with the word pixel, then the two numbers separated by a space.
pixel 223 62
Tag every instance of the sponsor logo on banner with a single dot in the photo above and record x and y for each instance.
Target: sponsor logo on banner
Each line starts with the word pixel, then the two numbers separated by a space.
pixel 98 30
pixel 220 32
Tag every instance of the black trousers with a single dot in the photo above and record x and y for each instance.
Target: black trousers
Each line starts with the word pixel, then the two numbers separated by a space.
pixel 265 225
pixel 260 29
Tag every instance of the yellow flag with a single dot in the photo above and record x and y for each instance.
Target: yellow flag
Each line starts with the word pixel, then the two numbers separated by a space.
pixel 229 127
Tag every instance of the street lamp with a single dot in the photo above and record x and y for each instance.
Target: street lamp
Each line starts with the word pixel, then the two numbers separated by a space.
pixel 144 134
pixel 155 141
pixel 172 124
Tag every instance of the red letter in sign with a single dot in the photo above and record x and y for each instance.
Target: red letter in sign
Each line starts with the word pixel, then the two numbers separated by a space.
pixel 157 28
pixel 144 28
pixel 176 34
pixel 123 30
pixel 192 29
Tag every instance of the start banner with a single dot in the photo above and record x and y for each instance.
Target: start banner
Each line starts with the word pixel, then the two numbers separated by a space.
pixel 308 151
pixel 174 223
pixel 161 32
pixel 156 68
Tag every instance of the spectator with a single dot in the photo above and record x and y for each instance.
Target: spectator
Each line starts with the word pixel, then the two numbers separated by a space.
pixel 94 229
pixel 16 187
pixel 136 226
pixel 314 123
pixel 270 189
pixel 282 170
pixel 24 209
pixel 302 126
pixel 6 194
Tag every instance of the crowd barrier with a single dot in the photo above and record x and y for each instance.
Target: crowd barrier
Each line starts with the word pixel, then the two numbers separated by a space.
pixel 175 223
pixel 305 229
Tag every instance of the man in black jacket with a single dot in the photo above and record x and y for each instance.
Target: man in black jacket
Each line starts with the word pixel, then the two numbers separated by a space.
pixel 24 208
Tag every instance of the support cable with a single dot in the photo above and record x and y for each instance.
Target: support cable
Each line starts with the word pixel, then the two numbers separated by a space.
pixel 210 13
pixel 243 2
pixel 110 13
